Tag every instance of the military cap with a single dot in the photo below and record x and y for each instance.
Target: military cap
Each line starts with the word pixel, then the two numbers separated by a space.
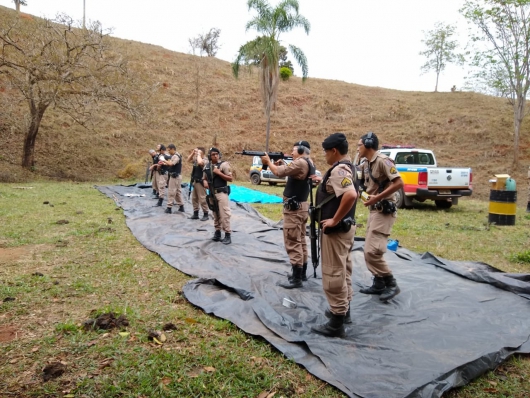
pixel 334 140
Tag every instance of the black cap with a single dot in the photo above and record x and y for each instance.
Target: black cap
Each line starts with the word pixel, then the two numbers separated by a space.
pixel 302 143
pixel 214 149
pixel 334 140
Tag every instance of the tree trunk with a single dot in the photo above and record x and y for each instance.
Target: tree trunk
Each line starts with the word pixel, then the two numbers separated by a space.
pixel 17 5
pixel 518 121
pixel 28 156
pixel 268 116
pixel 436 87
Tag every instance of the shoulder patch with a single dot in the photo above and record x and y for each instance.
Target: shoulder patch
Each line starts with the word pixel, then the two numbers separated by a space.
pixel 389 162
pixel 393 170
pixel 346 182
pixel 341 172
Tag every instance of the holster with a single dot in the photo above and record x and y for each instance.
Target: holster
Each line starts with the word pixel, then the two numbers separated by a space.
pixel 174 175
pixel 223 190
pixel 343 226
pixel 292 204
pixel 385 207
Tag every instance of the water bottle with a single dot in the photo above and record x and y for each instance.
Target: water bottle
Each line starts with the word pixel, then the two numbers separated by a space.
pixel 392 244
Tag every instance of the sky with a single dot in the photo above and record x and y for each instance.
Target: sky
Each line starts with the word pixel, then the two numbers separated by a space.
pixel 372 43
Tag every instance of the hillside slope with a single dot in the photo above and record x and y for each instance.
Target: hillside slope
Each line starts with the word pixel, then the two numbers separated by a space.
pixel 463 128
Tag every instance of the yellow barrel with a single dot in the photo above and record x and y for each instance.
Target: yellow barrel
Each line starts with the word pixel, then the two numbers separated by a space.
pixel 503 206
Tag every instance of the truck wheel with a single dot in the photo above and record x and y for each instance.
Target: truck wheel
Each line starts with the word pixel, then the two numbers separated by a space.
pixel 402 201
pixel 255 179
pixel 443 204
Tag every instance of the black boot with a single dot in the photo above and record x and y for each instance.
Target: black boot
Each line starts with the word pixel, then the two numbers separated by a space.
pixel 168 210
pixel 347 316
pixel 227 239
pixel 391 289
pixel 333 328
pixel 296 280
pixel 528 207
pixel 195 215
pixel 304 273
pixel 217 236
pixel 154 191
pixel 181 208
pixel 160 200
pixel 205 217
pixel 377 287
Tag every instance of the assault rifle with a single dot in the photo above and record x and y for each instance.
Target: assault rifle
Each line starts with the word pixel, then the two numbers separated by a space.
pixel 274 156
pixel 191 186
pixel 314 231
pixel 211 200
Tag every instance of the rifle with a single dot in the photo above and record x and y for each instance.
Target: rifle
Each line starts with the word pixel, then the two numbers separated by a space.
pixel 211 200
pixel 191 186
pixel 314 231
pixel 272 155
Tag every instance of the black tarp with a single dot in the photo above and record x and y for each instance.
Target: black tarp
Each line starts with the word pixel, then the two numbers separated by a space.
pixel 452 321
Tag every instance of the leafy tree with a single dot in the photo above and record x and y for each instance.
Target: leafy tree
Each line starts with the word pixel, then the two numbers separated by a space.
pixel 19 3
pixel 503 28
pixel 200 45
pixel 271 23
pixel 440 50
pixel 52 63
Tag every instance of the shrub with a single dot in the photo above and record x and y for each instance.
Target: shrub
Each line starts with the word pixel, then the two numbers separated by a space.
pixel 521 257
pixel 285 73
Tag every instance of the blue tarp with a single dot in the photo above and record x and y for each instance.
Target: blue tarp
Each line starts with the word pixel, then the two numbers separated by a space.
pixel 247 195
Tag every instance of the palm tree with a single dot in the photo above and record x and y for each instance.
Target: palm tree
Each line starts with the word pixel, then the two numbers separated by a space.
pixel 270 23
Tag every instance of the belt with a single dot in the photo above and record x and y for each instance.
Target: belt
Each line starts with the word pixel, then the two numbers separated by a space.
pixel 220 190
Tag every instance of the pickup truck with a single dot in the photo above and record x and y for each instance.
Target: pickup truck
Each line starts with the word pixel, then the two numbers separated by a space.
pixel 423 179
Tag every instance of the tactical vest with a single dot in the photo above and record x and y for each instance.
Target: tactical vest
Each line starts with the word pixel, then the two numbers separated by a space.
pixel 299 188
pixel 155 159
pixel 217 181
pixel 196 173
pixel 163 167
pixel 176 168
pixel 330 208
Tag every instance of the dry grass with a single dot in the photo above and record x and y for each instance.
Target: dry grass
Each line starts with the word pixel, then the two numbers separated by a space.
pixel 464 129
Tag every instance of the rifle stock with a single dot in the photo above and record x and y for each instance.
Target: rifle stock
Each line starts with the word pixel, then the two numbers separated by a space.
pixel 272 155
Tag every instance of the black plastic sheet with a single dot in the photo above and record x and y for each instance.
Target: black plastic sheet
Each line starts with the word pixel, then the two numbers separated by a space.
pixel 452 321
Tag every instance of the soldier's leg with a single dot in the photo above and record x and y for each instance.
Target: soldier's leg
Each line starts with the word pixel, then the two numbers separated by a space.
pixel 225 213
pixel 201 194
pixel 162 182
pixel 195 196
pixel 172 190
pixel 178 193
pixel 292 225
pixel 154 181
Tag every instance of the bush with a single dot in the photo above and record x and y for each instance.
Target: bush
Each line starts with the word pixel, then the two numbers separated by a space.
pixel 285 73
pixel 522 257
pixel 132 170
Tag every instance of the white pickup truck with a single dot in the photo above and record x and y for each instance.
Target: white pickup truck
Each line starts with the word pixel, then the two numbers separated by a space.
pixel 423 179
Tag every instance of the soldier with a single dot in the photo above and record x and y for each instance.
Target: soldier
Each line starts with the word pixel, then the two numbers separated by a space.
pixel 381 180
pixel 528 204
pixel 162 174
pixel 216 176
pixel 198 196
pixel 336 197
pixel 174 165
pixel 295 208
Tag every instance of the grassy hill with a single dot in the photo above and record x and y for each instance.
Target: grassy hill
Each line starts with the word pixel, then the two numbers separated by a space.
pixel 463 128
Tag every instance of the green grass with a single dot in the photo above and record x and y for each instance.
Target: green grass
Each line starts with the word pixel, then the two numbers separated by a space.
pixel 88 271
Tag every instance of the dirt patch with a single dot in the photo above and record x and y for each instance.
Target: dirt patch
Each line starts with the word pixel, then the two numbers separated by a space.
pixel 20 253
pixel 8 333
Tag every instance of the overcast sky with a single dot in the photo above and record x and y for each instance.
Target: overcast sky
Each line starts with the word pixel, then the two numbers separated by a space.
pixel 373 43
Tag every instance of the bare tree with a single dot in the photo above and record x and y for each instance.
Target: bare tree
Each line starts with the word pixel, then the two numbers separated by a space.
pixel 53 63
pixel 440 50
pixel 503 28
pixel 200 45
pixel 19 3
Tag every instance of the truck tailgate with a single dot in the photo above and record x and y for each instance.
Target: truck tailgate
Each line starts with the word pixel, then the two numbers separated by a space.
pixel 450 178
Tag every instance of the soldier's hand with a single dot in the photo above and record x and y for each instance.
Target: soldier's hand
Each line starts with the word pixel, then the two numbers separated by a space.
pixel 316 178
pixel 330 222
pixel 265 159
pixel 372 200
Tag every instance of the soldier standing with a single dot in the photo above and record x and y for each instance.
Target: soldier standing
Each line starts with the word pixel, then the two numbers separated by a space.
pixel 295 208
pixel 216 176
pixel 162 174
pixel 381 180
pixel 528 205
pixel 198 195
pixel 174 165
pixel 336 197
